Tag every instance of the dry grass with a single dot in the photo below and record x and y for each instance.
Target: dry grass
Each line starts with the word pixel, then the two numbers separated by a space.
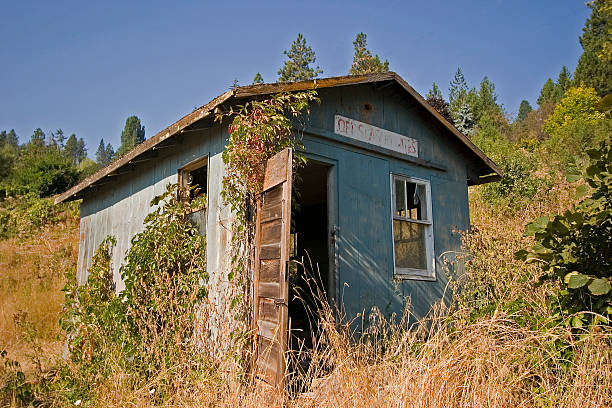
pixel 491 363
pixel 31 280
pixel 450 360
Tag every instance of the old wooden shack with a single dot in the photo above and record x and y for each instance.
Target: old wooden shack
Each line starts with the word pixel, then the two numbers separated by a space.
pixel 381 199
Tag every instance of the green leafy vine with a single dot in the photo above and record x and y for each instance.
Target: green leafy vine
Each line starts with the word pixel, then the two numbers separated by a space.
pixel 258 130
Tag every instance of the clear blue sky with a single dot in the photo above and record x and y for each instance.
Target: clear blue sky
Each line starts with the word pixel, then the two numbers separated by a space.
pixel 85 66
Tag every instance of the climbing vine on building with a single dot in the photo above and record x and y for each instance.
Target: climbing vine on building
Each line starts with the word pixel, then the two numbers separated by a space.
pixel 258 130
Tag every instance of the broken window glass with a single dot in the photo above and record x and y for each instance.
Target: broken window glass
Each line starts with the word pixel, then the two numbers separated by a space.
pixel 412 228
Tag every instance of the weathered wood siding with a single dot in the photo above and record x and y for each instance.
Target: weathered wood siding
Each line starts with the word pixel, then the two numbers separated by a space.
pixel 364 238
pixel 119 208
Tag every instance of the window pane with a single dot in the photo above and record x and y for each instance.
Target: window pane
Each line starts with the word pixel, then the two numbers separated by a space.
pixel 198 181
pixel 417 201
pixel 410 249
pixel 400 198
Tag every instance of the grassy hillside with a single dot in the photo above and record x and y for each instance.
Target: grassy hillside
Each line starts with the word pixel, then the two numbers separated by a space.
pixel 496 346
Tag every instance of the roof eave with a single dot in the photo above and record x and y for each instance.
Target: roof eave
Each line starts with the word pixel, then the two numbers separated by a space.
pixel 264 89
pixel 145 146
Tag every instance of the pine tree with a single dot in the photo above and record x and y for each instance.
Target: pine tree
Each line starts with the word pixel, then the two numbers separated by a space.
pixel 487 99
pixel 592 70
pixel 548 93
pixel 363 61
pixel 457 92
pixel 564 82
pixel 110 153
pixel 9 148
pixel 101 158
pixel 606 52
pixel 297 67
pixel 38 139
pixel 133 134
pixel 524 110
pixel 434 92
pixel 258 79
pixel 465 120
pixel 101 153
pixel 59 138
pixel 75 150
pixel 104 154
pixel 436 100
pixel 9 138
pixel 81 151
pixel 70 148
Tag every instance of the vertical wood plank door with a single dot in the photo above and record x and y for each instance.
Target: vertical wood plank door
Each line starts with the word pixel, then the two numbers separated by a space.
pixel 272 230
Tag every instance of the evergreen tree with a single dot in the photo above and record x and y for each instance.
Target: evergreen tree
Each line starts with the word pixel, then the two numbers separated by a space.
pixel 81 151
pixel 75 150
pixel 297 67
pixel 465 120
pixel 101 158
pixel 434 92
pixel 606 53
pixel 363 61
pixel 564 81
pixel 56 140
pixel 487 99
pixel 104 154
pixel 38 139
pixel 133 134
pixel 70 149
pixel 60 138
pixel 9 139
pixel 258 79
pixel 9 148
pixel 110 153
pixel 524 110
pixel 548 92
pixel 592 70
pixel 457 92
pixel 436 100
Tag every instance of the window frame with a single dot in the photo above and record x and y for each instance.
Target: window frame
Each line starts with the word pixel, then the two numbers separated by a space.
pixel 428 274
pixel 184 171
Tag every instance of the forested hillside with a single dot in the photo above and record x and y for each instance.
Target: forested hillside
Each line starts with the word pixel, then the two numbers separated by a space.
pixel 529 321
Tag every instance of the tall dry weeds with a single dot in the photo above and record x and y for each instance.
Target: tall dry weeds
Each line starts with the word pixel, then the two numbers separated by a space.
pixel 31 280
pixel 477 352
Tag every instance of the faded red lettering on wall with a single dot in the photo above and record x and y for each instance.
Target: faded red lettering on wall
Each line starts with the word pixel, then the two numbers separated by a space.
pixel 375 135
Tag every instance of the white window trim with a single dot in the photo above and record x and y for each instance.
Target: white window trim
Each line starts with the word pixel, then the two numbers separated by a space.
pixel 412 273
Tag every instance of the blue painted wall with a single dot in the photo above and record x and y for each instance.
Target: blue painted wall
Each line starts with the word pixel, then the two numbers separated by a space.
pixel 365 242
pixel 363 192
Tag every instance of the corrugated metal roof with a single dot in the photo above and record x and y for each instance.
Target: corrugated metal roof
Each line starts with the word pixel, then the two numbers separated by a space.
pixel 264 89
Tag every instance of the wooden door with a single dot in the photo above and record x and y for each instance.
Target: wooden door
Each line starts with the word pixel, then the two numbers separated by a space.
pixel 270 291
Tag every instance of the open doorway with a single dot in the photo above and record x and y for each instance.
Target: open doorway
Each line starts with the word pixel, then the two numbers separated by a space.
pixel 310 252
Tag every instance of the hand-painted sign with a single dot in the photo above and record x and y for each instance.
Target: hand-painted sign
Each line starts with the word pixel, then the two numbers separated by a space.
pixel 371 134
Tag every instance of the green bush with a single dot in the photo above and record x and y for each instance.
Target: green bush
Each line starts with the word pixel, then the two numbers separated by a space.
pixel 573 140
pixel 148 328
pixel 43 173
pixel 24 215
pixel 575 248
pixel 518 167
pixel 517 181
